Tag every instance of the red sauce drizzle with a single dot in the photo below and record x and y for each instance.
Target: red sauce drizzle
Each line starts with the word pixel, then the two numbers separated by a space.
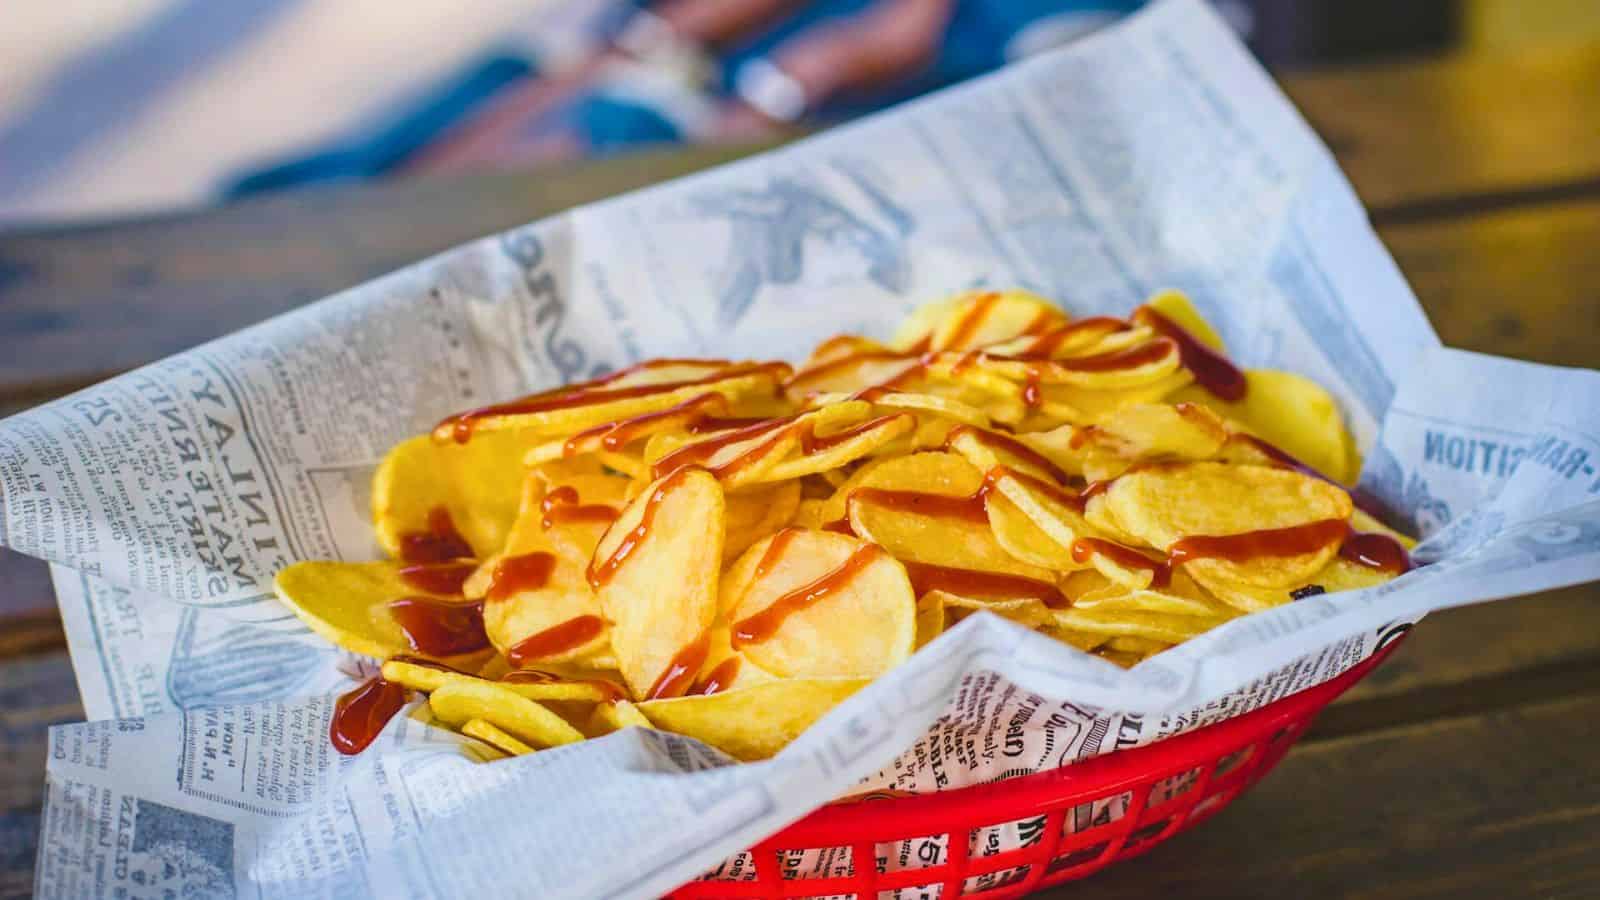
pixel 1010 446
pixel 972 583
pixel 1047 343
pixel 972 321
pixel 701 452
pixel 1376 551
pixel 613 435
pixel 562 638
pixel 971 508
pixel 1073 501
pixel 839 526
pixel 461 425
pixel 719 678
pixel 426 664
pixel 1116 360
pixel 823 370
pixel 774 552
pixel 359 715
pixel 438 578
pixel 440 543
pixel 1127 557
pixel 679 675
pixel 810 444
pixel 440 627
pixel 512 575
pixel 561 505
pixel 764 624
pixel 966 361
pixel 1291 541
pixel 601 572
pixel 610 689
pixel 724 423
pixel 1211 370
pixel 1283 458
pixel 1042 322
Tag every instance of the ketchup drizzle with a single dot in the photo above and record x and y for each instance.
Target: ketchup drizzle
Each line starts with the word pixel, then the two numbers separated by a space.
pixel 441 542
pixel 719 678
pixel 361 713
pixel 512 575
pixel 561 505
pixel 926 577
pixel 679 674
pixel 438 578
pixel 562 638
pixel 440 627
pixel 601 572
pixel 764 624
pixel 1211 369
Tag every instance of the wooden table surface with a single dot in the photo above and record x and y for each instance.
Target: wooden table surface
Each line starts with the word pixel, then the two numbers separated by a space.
pixel 1468 766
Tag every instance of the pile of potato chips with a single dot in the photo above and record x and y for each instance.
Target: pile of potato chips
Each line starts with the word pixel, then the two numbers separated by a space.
pixel 728 549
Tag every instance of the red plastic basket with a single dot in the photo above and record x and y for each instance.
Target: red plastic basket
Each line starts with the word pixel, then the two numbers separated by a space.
pixel 1222 760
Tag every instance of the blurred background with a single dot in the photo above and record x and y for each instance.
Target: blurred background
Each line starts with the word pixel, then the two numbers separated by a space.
pixel 128 107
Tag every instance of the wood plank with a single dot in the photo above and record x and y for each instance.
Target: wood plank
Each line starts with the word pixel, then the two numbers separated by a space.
pixel 35 693
pixel 1504 804
pixel 1411 133
pixel 1520 282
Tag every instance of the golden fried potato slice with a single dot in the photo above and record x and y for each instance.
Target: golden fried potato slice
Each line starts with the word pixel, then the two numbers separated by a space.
pixel 986 317
pixel 609 717
pixel 1339 575
pixel 940 473
pixel 988 449
pixel 1086 641
pixel 1089 405
pixel 1164 503
pixel 1181 596
pixel 938 529
pixel 494 737
pixel 1171 629
pixel 656 573
pixel 636 392
pixel 430 498
pixel 1022 610
pixel 828 451
pixel 1123 369
pixel 819 604
pixel 1150 431
pixel 857 372
pixel 1052 514
pixel 1293 414
pixel 1021 537
pixel 930 617
pixel 758 512
pixel 349 604
pixel 754 722
pixel 457 702
pixel 744 457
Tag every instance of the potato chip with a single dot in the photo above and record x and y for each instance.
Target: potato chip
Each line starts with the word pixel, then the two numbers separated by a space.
pixel 1294 415
pixel 456 702
pixel 1285 515
pixel 755 722
pixel 1150 431
pixel 609 717
pixel 818 604
pixel 930 617
pixel 643 389
pixel 739 546
pixel 432 502
pixel 494 737
pixel 986 317
pixel 1172 629
pixel 381 609
pixel 754 514
pixel 1022 610
pixel 657 583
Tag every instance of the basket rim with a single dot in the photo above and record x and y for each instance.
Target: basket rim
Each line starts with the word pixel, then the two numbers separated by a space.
pixel 1032 795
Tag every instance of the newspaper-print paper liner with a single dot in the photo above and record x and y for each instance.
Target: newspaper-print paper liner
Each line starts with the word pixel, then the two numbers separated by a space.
pixel 1156 154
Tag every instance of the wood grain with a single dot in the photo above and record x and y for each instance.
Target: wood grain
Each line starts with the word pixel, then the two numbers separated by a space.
pixel 1501 804
pixel 1415 133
